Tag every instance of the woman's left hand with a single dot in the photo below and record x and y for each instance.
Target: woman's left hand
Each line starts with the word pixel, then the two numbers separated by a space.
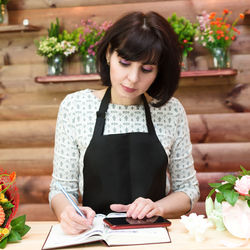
pixel 139 209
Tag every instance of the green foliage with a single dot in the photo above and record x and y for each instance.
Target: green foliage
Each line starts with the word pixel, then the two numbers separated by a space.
pixel 57 43
pixel 225 191
pixel 4 2
pixel 54 29
pixel 185 31
pixel 17 230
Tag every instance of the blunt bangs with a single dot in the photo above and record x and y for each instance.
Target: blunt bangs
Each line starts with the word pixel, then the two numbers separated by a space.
pixel 140 45
pixel 149 39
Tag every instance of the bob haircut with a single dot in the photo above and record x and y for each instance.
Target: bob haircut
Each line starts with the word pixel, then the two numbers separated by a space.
pixel 148 38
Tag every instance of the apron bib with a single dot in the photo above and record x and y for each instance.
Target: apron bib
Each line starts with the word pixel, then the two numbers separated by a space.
pixel 118 168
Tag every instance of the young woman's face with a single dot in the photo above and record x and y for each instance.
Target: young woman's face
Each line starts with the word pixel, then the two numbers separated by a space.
pixel 129 79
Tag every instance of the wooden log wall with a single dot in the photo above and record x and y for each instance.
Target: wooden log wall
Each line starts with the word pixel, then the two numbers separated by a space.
pixel 217 107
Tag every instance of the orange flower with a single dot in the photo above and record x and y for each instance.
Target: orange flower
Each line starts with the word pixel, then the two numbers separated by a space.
pixel 242 16
pixel 219 19
pixel 226 11
pixel 226 37
pixel 2 215
pixel 233 38
pixel 13 176
pixel 212 15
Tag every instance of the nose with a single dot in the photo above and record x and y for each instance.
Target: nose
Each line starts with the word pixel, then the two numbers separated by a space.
pixel 133 74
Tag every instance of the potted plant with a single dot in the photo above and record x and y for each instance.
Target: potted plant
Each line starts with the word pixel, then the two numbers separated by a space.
pixel 89 35
pixel 56 47
pixel 186 32
pixel 3 12
pixel 216 34
pixel 232 204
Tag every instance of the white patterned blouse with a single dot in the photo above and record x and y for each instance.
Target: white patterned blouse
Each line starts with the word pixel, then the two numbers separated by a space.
pixel 74 129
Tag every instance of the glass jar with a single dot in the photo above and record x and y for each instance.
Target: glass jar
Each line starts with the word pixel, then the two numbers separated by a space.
pixel 184 63
pixel 55 65
pixel 89 66
pixel 220 58
pixel 4 18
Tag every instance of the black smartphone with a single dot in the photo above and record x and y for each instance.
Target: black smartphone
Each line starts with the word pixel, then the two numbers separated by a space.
pixel 128 222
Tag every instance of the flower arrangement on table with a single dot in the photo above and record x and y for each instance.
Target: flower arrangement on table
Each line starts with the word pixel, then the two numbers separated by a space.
pixel 186 32
pixel 11 230
pixel 56 47
pixel 216 34
pixel 89 35
pixel 231 207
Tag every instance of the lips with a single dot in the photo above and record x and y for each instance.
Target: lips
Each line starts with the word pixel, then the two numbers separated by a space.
pixel 127 89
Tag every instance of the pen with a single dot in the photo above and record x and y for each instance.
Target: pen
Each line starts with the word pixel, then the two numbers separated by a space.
pixel 70 200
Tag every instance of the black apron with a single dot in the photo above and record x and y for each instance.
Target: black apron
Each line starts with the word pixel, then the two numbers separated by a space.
pixel 118 168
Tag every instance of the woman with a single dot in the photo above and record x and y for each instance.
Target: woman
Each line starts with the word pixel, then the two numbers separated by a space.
pixel 116 145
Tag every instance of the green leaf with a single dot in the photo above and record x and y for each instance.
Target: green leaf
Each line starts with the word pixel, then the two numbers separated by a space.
pixel 18 223
pixel 14 236
pixel 3 243
pixel 226 186
pixel 219 197
pixel 230 179
pixel 231 196
pixel 7 205
pixel 248 203
pixel 25 230
pixel 214 185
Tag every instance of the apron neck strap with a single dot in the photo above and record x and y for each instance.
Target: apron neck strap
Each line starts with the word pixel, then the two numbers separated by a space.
pixel 101 114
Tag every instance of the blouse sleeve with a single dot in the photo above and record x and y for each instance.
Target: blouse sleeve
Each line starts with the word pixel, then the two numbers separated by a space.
pixel 66 153
pixel 181 167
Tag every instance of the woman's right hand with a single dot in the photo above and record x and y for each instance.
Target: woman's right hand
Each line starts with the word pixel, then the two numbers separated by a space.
pixel 73 223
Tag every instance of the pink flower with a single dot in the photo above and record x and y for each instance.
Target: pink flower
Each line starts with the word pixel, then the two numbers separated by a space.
pixel 242 186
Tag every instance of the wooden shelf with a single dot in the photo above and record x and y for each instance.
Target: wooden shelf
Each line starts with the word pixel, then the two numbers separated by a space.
pixel 67 78
pixel 95 77
pixel 209 73
pixel 18 28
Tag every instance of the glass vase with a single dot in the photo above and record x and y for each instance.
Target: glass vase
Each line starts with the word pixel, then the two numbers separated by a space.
pixel 184 63
pixel 4 18
pixel 89 66
pixel 220 58
pixel 55 65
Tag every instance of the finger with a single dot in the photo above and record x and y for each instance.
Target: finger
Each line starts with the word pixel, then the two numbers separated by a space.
pixel 119 207
pixel 90 214
pixel 154 212
pixel 69 226
pixel 131 209
pixel 145 211
pixel 137 210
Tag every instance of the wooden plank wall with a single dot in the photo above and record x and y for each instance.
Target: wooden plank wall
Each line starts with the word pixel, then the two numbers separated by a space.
pixel 217 107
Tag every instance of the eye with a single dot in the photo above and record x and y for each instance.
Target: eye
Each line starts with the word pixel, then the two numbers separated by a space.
pixel 124 62
pixel 147 68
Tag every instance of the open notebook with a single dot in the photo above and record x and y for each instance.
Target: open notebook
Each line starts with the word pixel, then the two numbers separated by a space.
pixel 100 232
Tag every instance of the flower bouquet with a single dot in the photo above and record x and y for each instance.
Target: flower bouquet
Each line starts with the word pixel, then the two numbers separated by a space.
pixel 3 12
pixel 11 230
pixel 56 47
pixel 216 34
pixel 186 32
pixel 232 204
pixel 89 36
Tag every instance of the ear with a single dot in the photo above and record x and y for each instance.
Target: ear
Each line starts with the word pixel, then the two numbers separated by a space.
pixel 108 55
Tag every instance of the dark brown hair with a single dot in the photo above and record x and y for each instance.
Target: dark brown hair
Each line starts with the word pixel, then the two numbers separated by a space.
pixel 148 38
